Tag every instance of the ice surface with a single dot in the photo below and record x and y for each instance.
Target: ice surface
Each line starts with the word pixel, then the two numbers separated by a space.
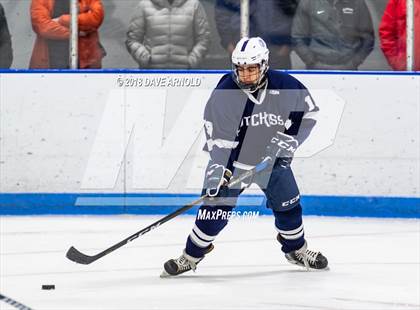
pixel 374 264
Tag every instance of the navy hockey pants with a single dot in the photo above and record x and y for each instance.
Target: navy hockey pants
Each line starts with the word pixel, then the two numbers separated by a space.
pixel 282 193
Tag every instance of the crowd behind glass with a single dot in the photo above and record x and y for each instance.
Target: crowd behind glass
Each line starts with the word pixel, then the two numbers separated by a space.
pixel 201 34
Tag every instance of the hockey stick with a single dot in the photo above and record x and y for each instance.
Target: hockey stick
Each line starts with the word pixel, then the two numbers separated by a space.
pixel 14 303
pixel 76 256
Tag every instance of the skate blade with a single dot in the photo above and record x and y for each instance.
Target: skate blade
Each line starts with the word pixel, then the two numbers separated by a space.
pixel 309 269
pixel 314 269
pixel 318 270
pixel 164 274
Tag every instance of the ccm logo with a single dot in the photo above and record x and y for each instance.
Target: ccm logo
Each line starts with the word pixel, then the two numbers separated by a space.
pixel 291 201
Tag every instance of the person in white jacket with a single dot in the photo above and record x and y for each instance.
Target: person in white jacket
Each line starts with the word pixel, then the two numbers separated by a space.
pixel 168 34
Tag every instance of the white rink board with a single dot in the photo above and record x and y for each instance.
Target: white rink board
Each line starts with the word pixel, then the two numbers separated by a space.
pixel 95 138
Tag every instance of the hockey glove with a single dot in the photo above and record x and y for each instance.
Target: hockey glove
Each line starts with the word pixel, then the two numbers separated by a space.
pixel 217 177
pixel 282 147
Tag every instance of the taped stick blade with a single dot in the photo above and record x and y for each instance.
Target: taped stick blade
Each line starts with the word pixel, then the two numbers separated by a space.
pixel 76 256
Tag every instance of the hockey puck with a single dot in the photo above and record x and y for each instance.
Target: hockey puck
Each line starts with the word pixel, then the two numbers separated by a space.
pixel 48 287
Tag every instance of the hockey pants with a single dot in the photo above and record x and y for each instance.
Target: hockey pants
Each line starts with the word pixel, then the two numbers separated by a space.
pixel 282 193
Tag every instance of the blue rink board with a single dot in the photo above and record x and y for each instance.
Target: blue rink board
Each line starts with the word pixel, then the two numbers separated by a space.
pixel 108 204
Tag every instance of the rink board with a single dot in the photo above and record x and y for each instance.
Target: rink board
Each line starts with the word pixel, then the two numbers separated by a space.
pixel 118 140
pixel 111 204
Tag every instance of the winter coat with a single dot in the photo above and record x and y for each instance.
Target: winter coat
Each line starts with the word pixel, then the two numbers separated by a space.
pixel 393 34
pixel 91 15
pixel 269 19
pixel 333 34
pixel 168 36
pixel 6 52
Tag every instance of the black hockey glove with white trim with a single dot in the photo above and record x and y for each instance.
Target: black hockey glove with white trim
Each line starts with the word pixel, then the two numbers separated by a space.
pixel 217 178
pixel 281 149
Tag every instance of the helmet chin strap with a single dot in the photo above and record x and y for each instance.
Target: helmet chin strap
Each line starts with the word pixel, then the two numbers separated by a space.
pixel 257 98
pixel 261 82
pixel 256 86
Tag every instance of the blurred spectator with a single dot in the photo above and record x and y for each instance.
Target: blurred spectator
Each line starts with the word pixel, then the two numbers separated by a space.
pixel 333 34
pixel 6 52
pixel 168 34
pixel 269 19
pixel 392 32
pixel 51 22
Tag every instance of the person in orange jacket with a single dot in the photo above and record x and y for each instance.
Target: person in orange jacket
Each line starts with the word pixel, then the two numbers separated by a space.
pixel 392 32
pixel 51 22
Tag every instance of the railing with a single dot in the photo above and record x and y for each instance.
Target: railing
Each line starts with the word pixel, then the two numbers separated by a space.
pixel 274 20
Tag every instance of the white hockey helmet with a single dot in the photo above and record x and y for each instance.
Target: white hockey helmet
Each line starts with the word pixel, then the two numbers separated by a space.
pixel 249 51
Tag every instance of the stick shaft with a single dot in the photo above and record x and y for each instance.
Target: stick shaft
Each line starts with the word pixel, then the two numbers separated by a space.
pixel 78 257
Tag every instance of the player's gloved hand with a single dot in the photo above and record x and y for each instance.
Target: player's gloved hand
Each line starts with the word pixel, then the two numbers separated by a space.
pixel 281 147
pixel 217 178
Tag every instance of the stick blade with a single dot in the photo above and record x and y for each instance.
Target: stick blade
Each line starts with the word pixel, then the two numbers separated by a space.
pixel 76 256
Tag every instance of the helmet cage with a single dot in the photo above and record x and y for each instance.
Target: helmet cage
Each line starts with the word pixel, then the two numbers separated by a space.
pixel 250 51
pixel 263 68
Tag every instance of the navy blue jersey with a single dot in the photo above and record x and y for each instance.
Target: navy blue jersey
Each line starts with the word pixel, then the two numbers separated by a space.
pixel 239 125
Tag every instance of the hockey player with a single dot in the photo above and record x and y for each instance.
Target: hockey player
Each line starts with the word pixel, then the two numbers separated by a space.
pixel 254 114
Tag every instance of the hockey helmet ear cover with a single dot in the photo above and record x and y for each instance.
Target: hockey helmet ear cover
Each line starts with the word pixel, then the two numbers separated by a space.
pixel 249 51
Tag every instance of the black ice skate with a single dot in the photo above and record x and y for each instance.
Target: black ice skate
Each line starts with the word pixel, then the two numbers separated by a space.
pixel 307 258
pixel 184 263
